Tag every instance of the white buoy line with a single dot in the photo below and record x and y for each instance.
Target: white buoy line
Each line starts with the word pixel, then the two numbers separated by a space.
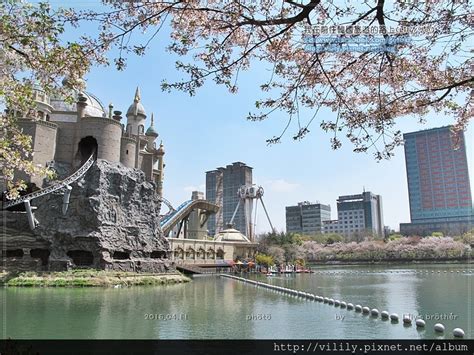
pixel 469 271
pixel 374 312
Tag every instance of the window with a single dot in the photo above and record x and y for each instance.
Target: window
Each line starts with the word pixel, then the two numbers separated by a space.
pixel 14 253
pixel 220 254
pixel 42 254
pixel 121 255
pixel 81 257
pixel 158 254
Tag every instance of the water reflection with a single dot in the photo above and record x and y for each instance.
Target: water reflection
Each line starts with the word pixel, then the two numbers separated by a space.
pixel 213 307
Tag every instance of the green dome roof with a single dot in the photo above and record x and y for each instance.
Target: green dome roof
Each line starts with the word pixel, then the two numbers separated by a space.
pixel 151 132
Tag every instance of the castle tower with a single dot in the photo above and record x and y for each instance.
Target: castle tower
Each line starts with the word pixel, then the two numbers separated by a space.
pixel 151 134
pixel 43 133
pixel 136 116
pixel 159 172
pixel 43 104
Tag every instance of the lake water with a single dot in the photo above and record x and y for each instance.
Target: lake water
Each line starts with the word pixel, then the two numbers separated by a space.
pixel 216 307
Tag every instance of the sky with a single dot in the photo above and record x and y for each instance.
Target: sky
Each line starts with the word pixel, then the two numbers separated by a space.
pixel 209 130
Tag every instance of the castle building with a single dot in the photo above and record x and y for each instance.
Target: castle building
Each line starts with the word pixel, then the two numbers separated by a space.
pixel 64 135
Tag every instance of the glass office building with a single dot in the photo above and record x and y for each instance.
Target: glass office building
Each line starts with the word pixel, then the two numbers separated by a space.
pixel 438 182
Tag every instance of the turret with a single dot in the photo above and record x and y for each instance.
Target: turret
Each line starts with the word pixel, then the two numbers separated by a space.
pixel 81 105
pixel 151 134
pixel 43 104
pixel 136 116
pixel 161 167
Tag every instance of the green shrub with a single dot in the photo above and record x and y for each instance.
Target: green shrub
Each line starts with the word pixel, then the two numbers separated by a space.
pixel 395 237
pixel 263 259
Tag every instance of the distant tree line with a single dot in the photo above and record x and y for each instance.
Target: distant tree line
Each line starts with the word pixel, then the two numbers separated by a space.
pixel 283 247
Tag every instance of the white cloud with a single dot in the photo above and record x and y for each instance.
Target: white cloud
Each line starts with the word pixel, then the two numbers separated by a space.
pixel 280 185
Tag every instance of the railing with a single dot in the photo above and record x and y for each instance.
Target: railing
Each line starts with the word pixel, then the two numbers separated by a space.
pixel 168 204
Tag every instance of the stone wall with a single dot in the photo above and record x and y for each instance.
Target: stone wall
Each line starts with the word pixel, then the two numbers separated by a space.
pixel 43 142
pixel 66 135
pixel 112 223
pixel 128 150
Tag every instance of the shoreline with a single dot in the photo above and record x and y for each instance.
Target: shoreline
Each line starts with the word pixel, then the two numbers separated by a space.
pixel 391 262
pixel 89 278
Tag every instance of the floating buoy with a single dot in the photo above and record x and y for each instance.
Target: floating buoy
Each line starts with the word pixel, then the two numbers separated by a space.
pixel 337 303
pixel 374 312
pixel 438 327
pixel 420 323
pixel 365 310
pixel 343 304
pixel 458 333
pixel 358 308
pixel 384 315
pixel 326 300
pixel 394 317
pixel 406 319
pixel 350 306
pixel 330 301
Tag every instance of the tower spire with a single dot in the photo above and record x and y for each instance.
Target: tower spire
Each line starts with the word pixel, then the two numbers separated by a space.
pixel 137 95
pixel 151 130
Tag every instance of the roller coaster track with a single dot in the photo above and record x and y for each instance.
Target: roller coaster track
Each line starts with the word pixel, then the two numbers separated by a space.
pixel 182 211
pixel 168 204
pixel 55 187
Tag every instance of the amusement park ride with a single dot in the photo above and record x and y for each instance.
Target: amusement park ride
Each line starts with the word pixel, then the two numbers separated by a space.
pixel 250 194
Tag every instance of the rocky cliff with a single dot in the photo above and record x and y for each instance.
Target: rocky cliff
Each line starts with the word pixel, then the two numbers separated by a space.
pixel 112 222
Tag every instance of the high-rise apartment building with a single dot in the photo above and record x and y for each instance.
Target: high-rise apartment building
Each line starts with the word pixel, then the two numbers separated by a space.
pixel 222 186
pixel 307 218
pixel 438 183
pixel 360 213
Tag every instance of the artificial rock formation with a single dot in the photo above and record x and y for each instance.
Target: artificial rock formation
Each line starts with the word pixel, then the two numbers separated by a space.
pixel 112 222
